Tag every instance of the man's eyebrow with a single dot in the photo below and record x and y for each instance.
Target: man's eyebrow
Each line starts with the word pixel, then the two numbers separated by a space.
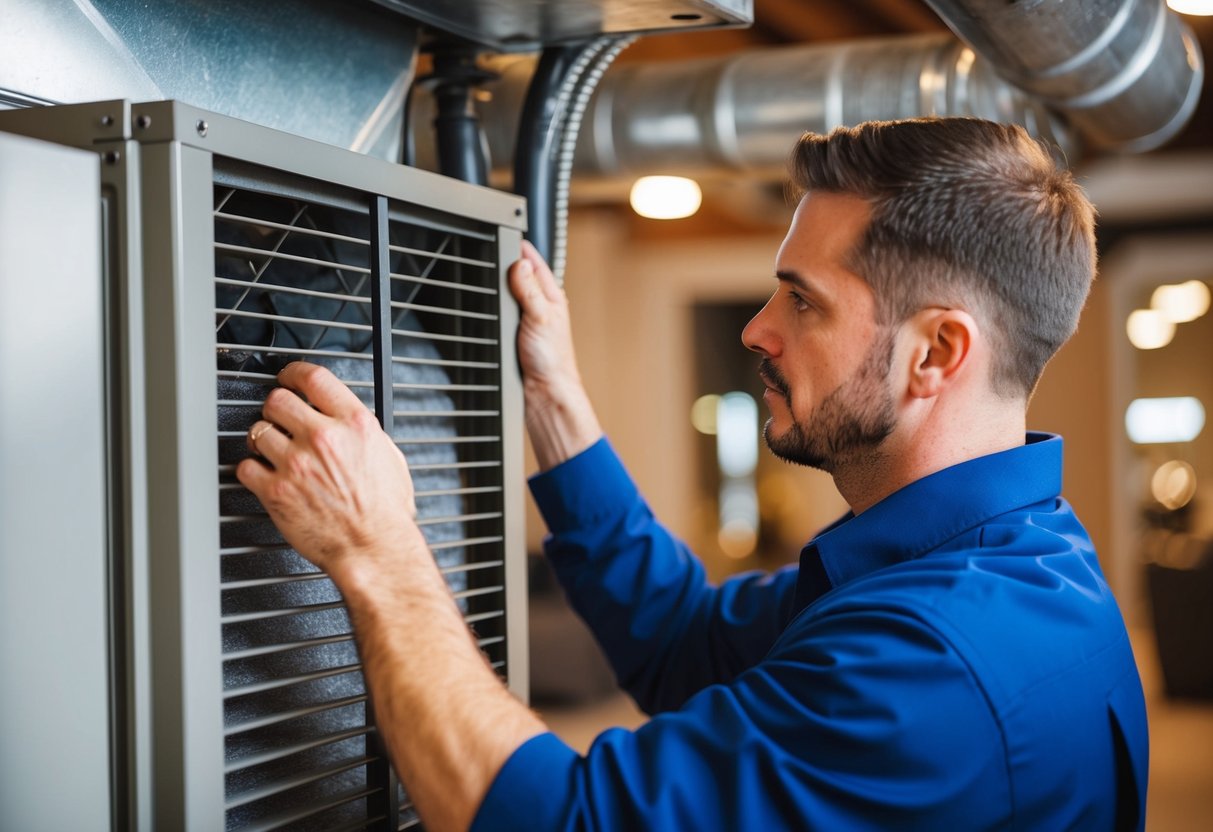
pixel 796 279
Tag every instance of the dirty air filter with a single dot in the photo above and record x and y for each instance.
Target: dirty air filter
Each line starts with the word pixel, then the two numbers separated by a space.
pixel 233 251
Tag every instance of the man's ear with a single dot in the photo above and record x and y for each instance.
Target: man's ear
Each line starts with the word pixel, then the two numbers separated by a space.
pixel 942 346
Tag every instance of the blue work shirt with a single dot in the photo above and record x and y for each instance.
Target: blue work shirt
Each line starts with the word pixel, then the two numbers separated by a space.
pixel 951 658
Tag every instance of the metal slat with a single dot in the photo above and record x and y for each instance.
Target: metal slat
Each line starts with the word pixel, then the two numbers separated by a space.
pixel 445 440
pixel 291 290
pixel 285 785
pixel 288 681
pixel 471 541
pixel 476 593
pixel 293 229
pixel 435 466
pixel 445 284
pixel 450 258
pixel 278 717
pixel 438 336
pixel 275 581
pixel 263 757
pixel 288 319
pixel 294 258
pixel 287 818
pixel 447 492
pixel 458 518
pixel 242 618
pixel 285 647
pixel 442 310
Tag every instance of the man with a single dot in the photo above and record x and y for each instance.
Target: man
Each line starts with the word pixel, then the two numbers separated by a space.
pixel 947 655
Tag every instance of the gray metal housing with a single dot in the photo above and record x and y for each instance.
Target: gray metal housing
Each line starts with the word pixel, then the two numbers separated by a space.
pixel 195 744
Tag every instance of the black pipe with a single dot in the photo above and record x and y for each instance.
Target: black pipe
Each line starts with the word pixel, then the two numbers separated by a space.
pixel 534 156
pixel 462 149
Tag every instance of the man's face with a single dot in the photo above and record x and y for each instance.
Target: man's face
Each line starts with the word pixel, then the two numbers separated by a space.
pixel 825 360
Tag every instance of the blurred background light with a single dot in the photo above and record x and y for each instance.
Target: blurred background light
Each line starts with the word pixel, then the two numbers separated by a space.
pixel 737 434
pixel 665 197
pixel 1174 484
pixel 1177 419
pixel 1198 8
pixel 1182 302
pixel 1149 329
pixel 703 413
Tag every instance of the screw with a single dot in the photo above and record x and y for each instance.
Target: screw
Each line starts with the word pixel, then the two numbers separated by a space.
pixel 106 121
pixel 518 212
pixel 111 157
pixel 143 121
pixel 202 127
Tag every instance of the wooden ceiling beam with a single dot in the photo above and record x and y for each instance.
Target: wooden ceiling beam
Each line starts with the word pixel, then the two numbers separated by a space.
pixel 905 15
pixel 801 21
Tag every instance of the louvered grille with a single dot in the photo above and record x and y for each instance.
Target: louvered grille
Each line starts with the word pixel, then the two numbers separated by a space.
pixel 296 277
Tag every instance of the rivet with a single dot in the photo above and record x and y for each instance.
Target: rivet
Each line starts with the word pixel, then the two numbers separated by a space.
pixel 111 157
pixel 106 121
pixel 143 121
pixel 202 127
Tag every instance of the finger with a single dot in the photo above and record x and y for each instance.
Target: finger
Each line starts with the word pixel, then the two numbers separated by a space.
pixel 323 389
pixel 255 476
pixel 284 408
pixel 265 440
pixel 543 275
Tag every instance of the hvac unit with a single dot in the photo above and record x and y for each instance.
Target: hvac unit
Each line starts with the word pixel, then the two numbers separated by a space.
pixel 227 250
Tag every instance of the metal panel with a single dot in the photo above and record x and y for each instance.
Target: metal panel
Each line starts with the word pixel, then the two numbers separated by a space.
pixel 252 60
pixel 513 466
pixel 182 503
pixel 526 25
pixel 54 688
pixel 238 693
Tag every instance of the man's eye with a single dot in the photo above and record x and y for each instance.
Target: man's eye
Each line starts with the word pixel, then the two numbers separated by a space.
pixel 799 302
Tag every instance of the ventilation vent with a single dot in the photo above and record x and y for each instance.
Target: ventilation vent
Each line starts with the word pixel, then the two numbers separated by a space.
pixel 402 304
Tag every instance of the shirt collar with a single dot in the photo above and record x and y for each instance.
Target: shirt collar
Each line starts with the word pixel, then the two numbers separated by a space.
pixel 929 512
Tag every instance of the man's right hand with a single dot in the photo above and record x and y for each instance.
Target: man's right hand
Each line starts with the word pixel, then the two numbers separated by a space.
pixel 559 417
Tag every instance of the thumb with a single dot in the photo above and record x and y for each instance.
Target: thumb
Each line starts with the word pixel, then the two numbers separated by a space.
pixel 523 285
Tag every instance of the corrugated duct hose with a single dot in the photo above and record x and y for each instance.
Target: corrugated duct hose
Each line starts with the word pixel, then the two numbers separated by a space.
pixel 556 102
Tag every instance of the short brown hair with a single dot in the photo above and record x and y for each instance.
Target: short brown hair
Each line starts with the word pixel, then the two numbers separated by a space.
pixel 965 213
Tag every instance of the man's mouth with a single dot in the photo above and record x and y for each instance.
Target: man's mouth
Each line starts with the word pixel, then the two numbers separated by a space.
pixel 772 378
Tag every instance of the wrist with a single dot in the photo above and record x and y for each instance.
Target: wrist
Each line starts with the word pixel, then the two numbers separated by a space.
pixel 388 570
pixel 561 427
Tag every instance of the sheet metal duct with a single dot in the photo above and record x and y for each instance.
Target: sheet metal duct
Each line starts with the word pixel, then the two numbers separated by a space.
pixel 1122 74
pixel 741 113
pixel 334 72
pixel 1126 72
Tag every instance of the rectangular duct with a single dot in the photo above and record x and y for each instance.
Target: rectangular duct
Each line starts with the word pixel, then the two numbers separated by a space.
pixel 231 250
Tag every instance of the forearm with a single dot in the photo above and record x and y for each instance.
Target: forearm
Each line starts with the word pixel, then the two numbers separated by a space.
pixel 561 423
pixel 447 720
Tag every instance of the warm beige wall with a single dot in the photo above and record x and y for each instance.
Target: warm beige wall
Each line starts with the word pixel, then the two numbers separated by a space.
pixel 1073 399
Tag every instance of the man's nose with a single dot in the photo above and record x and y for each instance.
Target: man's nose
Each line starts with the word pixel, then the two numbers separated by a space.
pixel 757 335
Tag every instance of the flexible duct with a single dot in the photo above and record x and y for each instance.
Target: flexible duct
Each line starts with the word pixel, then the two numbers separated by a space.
pixel 1126 72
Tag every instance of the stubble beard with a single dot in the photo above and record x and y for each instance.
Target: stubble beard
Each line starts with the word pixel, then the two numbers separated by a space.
pixel 849 424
